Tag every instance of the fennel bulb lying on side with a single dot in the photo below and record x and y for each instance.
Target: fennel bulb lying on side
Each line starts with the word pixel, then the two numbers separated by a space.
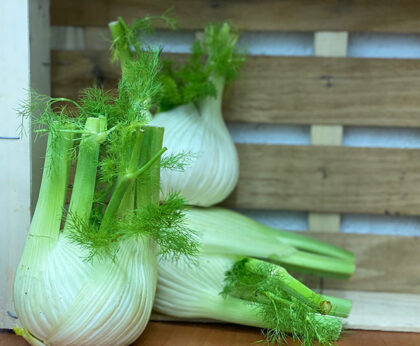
pixel 93 282
pixel 224 231
pixel 191 113
pixel 231 283
pixel 249 292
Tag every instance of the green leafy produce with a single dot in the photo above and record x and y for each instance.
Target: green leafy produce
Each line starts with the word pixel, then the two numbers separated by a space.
pixel 190 110
pixel 223 231
pixel 240 278
pixel 249 292
pixel 92 281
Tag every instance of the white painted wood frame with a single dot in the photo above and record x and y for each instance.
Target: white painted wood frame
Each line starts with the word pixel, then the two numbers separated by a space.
pixel 24 65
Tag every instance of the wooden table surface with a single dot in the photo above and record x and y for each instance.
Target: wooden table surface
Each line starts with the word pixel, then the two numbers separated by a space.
pixel 194 334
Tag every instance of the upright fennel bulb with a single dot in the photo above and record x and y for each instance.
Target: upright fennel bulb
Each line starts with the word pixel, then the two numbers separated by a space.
pixel 191 113
pixel 93 282
pixel 60 298
pixel 193 120
pixel 198 128
pixel 250 292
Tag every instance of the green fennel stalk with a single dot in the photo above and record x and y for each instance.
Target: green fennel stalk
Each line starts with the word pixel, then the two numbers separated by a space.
pixel 220 229
pixel 94 281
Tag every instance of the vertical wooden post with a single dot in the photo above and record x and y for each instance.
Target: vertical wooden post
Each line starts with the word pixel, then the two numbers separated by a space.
pixel 327 44
pixel 24 61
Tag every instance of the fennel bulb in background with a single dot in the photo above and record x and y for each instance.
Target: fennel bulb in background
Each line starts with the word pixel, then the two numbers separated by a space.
pixel 191 113
pixel 198 129
pixel 190 110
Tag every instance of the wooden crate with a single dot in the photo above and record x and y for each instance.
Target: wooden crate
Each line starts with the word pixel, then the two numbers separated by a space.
pixel 326 91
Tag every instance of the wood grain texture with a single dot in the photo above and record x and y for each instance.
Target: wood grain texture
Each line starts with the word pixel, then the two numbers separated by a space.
pixel 381 311
pixel 300 15
pixel 326 91
pixel 383 263
pixel 194 334
pixel 72 71
pixel 328 179
pixel 8 338
pixel 284 90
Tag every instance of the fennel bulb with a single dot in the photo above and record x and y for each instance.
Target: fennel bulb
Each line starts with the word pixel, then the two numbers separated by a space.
pixel 193 120
pixel 199 129
pixel 190 110
pixel 249 292
pixel 226 231
pixel 225 286
pixel 93 282
pixel 60 298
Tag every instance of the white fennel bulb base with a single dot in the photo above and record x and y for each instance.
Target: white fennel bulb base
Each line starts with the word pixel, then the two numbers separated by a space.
pixel 199 130
pixel 189 290
pixel 64 300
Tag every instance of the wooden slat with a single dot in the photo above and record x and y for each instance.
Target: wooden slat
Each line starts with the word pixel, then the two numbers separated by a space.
pixel 383 263
pixel 328 91
pixel 306 90
pixel 292 15
pixel 71 71
pixel 381 311
pixel 328 179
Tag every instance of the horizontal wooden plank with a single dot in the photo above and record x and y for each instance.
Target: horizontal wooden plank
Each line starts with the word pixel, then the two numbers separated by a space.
pixel 285 90
pixel 72 71
pixel 320 90
pixel 328 179
pixel 383 263
pixel 382 311
pixel 292 15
